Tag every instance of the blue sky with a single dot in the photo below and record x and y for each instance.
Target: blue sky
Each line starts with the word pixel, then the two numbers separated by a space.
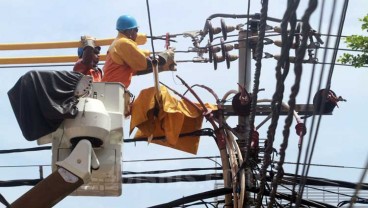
pixel 342 139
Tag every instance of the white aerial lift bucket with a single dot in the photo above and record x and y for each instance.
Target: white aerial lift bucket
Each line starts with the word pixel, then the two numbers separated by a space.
pixel 100 121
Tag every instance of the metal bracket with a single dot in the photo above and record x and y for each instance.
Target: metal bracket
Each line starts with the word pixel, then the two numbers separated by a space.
pixel 81 160
pixel 83 86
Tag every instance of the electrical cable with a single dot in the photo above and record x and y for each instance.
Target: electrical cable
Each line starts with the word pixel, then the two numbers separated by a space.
pixel 169 171
pixel 315 181
pixel 4 201
pixel 195 197
pixel 22 166
pixel 201 132
pixel 332 192
pixel 328 85
pixel 168 159
pixel 309 94
pixel 294 92
pixel 203 203
pixel 20 182
pixel 257 72
pixel 339 64
pixel 278 94
pixel 25 150
pixel 172 179
pixel 308 99
pixel 324 165
pixel 359 185
pixel 178 61
pixel 150 28
pixel 331 35
pixel 340 49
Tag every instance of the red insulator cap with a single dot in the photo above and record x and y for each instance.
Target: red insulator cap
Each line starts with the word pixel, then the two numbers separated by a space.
pixel 300 128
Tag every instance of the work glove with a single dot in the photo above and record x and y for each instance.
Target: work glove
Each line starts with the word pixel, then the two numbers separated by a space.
pixel 167 61
pixel 88 41
pixel 141 39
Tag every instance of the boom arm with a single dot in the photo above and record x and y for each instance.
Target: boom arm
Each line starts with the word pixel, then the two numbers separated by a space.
pixel 72 172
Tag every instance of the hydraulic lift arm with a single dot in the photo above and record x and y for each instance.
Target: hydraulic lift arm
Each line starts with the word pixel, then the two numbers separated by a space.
pixel 71 173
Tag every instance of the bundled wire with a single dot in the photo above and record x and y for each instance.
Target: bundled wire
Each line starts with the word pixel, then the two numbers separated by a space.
pixel 172 179
pixel 289 16
pixel 195 197
pixel 294 92
pixel 257 72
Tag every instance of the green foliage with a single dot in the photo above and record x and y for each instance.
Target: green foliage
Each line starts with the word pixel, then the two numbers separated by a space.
pixel 357 42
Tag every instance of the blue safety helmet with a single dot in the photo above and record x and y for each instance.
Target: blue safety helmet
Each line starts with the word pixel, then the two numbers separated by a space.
pixel 126 22
pixel 80 52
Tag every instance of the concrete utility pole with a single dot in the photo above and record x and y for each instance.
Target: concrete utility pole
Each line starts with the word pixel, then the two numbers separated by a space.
pixel 244 79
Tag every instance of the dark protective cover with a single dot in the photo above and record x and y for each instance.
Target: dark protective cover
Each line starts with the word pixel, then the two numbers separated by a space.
pixel 41 100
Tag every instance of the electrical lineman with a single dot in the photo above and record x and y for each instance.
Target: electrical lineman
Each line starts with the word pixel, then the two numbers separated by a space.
pixel 124 59
pixel 88 59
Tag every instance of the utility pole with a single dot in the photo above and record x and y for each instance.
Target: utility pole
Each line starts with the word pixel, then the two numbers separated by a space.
pixel 244 77
pixel 246 45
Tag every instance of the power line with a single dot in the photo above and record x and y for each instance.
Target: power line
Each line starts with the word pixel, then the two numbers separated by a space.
pixel 340 49
pixel 338 64
pixel 332 35
pixel 22 166
pixel 169 171
pixel 168 159
pixel 25 150
pixel 195 197
pixel 324 165
pixel 172 179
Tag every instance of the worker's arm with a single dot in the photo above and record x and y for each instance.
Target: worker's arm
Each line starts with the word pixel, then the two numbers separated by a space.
pixel 165 60
pixel 87 58
pixel 141 39
pixel 134 57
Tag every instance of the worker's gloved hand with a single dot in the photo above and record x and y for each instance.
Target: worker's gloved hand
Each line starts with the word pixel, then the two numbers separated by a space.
pixel 167 61
pixel 88 41
pixel 141 39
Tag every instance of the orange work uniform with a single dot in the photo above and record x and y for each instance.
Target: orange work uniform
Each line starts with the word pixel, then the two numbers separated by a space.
pixel 96 73
pixel 123 59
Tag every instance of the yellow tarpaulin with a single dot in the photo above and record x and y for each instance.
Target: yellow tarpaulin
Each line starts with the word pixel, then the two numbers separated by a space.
pixel 173 118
